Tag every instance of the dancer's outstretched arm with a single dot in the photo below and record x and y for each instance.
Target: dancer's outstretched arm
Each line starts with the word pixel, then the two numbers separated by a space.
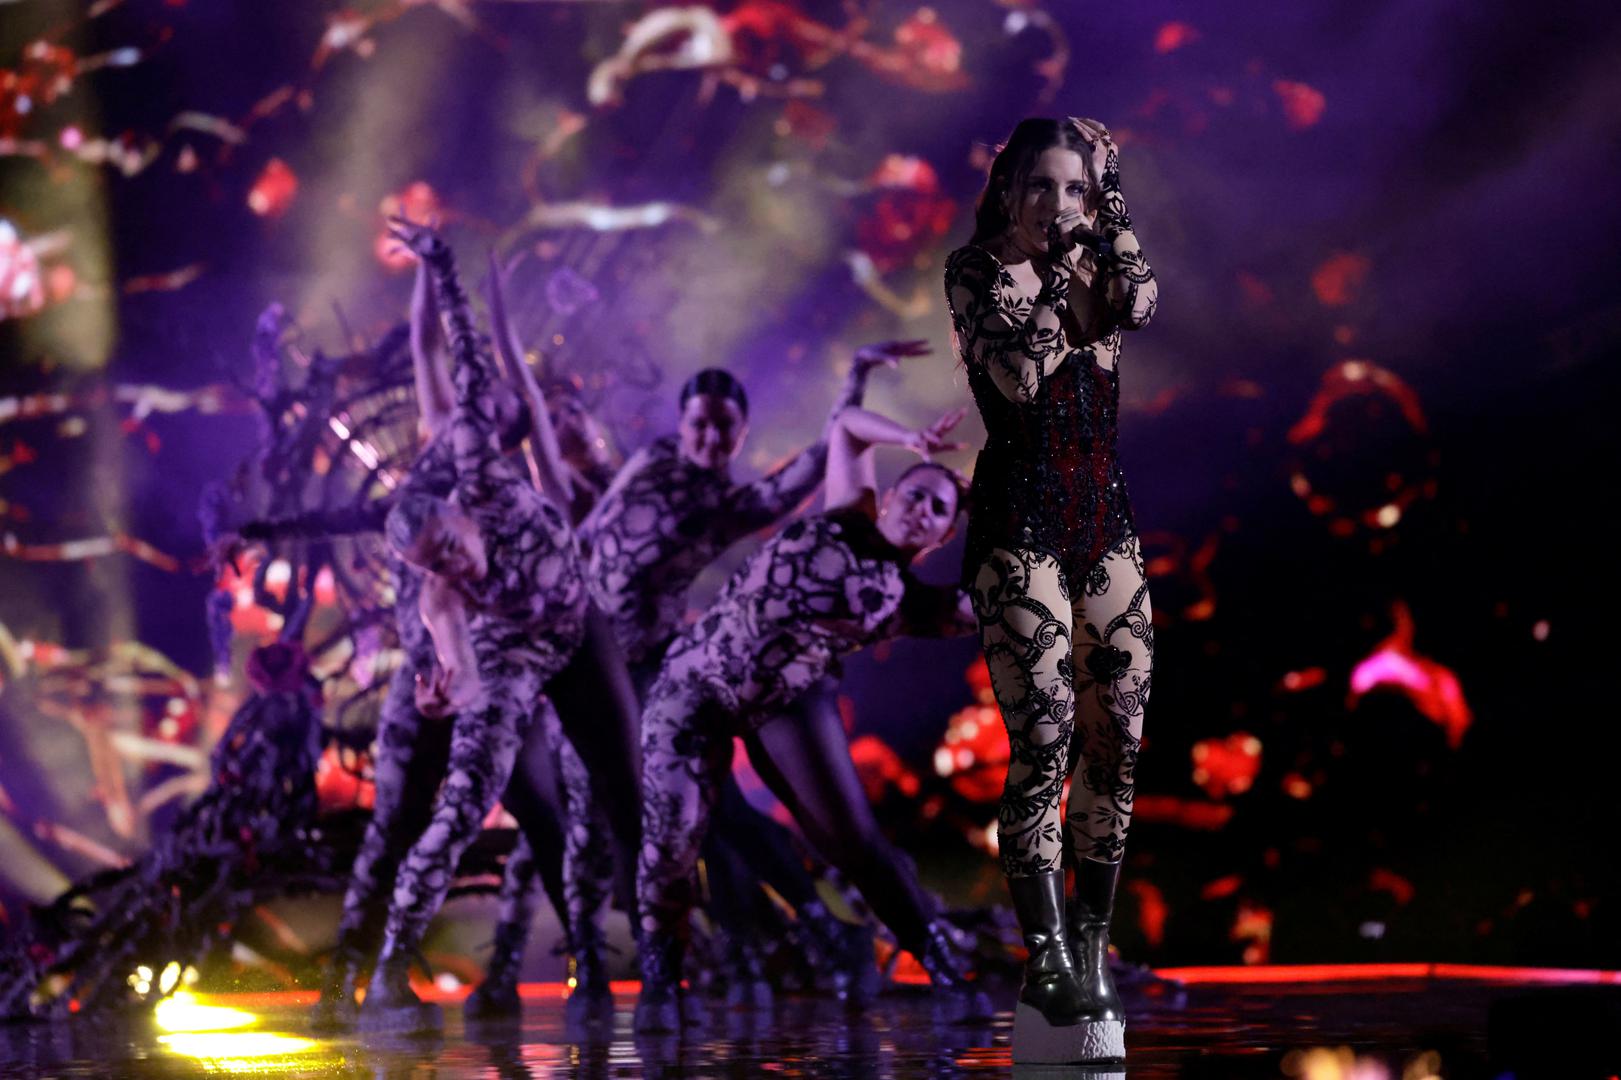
pixel 429 362
pixel 474 438
pixel 867 359
pixel 777 494
pixel 851 475
pixel 552 472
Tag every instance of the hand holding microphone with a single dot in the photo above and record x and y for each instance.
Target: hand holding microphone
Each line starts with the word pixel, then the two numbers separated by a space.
pixel 1070 230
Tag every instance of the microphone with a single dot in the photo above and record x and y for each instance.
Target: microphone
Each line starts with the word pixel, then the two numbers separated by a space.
pixel 1095 242
pixel 1081 236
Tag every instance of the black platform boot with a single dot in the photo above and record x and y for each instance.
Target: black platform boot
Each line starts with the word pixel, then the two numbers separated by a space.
pixel 590 998
pixel 957 1000
pixel 746 984
pixel 1090 911
pixel 846 952
pixel 663 1005
pixel 391 1005
pixel 1050 984
pixel 497 995
pixel 1101 1022
pixel 338 1008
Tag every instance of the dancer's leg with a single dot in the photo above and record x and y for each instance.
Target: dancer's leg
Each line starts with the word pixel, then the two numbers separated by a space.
pixel 597 705
pixel 532 797
pixel 686 747
pixel 804 755
pixel 484 745
pixel 1024 615
pixel 1114 662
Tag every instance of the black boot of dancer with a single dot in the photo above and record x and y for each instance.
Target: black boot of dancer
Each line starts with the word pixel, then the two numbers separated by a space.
pixel 846 951
pixel 663 1004
pixel 497 995
pixel 338 1008
pixel 591 998
pixel 746 984
pixel 957 1000
pixel 1097 1032
pixel 391 1005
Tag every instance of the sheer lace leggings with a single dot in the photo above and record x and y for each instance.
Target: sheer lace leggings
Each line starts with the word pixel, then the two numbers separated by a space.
pixel 1071 675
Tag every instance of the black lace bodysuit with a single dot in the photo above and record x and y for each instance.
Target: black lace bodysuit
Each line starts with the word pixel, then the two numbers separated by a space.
pixel 1048 478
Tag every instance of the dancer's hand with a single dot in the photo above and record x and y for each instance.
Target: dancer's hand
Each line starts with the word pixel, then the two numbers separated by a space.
pixel 890 353
pixel 420 238
pixel 931 440
pixel 444 692
pixel 226 551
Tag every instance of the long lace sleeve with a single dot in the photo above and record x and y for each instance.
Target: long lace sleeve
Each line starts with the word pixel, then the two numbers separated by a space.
pixel 1128 284
pixel 851 394
pixel 1019 341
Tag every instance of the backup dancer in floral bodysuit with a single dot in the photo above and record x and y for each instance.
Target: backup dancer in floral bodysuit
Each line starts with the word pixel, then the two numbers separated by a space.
pixel 763 663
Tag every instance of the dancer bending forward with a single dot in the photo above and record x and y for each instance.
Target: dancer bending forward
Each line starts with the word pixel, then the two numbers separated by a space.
pixel 763 663
pixel 504 599
pixel 1038 300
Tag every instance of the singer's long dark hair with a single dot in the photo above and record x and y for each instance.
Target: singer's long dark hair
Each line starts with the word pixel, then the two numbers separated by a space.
pixel 1014 160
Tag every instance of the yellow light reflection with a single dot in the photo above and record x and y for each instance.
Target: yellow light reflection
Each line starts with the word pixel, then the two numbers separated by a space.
pixel 243 1051
pixel 183 1013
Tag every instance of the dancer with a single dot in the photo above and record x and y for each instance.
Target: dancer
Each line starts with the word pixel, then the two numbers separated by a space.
pixel 584 867
pixel 763 663
pixel 504 600
pixel 1038 301
pixel 412 750
pixel 673 507
pixel 670 512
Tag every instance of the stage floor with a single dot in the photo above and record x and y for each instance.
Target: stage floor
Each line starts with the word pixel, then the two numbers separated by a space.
pixel 1323 1024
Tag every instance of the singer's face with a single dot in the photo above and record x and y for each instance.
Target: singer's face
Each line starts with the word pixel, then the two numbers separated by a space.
pixel 1057 183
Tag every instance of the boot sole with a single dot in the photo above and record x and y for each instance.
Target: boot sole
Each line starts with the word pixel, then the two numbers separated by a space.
pixel 588 1008
pixel 420 1018
pixel 663 1018
pixel 330 1018
pixel 1036 1042
pixel 492 1006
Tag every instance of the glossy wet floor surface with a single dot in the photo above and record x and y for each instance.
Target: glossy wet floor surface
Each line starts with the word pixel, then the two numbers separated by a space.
pixel 1391 1029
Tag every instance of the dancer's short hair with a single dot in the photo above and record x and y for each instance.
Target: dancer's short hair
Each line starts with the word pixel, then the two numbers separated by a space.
pixel 715 382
